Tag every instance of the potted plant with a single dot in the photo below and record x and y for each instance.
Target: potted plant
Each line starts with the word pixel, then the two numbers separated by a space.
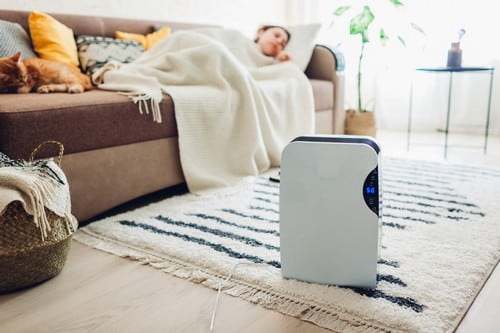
pixel 360 121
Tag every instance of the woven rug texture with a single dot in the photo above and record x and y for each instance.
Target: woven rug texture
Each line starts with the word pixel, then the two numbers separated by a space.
pixel 440 240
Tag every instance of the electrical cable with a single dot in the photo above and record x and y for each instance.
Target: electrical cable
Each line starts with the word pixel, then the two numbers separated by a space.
pixel 219 290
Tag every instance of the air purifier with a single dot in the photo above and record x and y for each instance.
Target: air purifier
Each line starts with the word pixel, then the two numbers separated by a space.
pixel 330 216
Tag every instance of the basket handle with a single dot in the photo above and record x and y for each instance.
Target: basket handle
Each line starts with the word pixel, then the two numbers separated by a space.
pixel 59 157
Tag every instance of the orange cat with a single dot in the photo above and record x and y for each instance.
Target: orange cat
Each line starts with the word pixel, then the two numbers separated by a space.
pixel 43 76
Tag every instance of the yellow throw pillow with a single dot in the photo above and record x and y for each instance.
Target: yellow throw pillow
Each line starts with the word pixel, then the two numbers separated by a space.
pixel 51 39
pixel 148 40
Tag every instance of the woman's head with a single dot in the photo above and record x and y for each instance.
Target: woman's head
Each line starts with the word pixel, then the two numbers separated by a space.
pixel 272 39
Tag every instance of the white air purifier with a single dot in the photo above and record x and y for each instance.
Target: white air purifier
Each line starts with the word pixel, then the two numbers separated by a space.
pixel 330 197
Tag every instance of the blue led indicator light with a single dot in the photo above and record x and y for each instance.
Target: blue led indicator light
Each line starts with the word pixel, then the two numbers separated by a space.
pixel 370 190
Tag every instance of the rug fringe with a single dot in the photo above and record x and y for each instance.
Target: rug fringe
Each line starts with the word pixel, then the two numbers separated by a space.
pixel 339 322
pixel 321 316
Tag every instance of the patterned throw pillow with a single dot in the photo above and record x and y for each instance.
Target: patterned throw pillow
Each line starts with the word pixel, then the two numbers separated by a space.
pixel 95 51
pixel 13 38
pixel 148 40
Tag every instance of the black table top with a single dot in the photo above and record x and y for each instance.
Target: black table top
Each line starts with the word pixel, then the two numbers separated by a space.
pixel 456 69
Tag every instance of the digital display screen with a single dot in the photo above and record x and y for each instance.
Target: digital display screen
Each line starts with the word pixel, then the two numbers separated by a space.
pixel 370 191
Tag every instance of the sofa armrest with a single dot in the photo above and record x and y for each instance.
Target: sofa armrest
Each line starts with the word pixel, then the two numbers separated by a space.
pixel 327 63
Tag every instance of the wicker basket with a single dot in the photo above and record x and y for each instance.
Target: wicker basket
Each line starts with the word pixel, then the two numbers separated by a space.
pixel 26 259
pixel 360 123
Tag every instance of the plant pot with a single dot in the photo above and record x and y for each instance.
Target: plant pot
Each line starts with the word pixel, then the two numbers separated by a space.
pixel 360 123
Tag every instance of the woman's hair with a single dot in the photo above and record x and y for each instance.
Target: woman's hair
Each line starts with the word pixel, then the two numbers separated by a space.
pixel 266 27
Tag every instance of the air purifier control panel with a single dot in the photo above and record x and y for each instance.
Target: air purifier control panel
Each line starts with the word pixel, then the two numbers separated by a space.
pixel 370 191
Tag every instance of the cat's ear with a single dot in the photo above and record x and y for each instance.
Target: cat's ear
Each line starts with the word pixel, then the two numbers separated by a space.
pixel 16 56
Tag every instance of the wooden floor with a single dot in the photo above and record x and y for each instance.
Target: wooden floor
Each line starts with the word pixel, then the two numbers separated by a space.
pixel 99 292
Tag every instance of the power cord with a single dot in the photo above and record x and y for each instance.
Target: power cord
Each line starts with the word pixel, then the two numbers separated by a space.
pixel 219 290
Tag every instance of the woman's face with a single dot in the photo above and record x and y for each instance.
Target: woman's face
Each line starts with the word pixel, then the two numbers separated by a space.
pixel 272 41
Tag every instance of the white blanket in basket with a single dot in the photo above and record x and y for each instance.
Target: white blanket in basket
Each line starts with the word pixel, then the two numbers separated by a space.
pixel 37 185
pixel 235 108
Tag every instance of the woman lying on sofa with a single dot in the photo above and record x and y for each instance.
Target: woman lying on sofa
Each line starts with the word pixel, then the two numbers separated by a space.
pixel 237 101
pixel 272 40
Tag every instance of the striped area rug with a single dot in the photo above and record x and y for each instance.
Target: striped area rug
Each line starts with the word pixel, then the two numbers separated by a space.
pixel 440 241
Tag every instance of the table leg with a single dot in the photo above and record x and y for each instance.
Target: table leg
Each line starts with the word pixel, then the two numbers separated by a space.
pixel 447 128
pixel 409 116
pixel 488 113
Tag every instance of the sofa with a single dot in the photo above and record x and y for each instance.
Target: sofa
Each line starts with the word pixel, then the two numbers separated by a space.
pixel 113 154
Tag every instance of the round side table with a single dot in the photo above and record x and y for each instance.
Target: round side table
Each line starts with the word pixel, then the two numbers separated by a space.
pixel 451 71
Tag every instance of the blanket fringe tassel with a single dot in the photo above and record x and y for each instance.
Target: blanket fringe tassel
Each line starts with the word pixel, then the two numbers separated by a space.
pixel 147 104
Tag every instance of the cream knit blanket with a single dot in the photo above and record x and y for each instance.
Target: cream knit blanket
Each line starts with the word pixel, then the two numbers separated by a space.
pixel 235 108
pixel 37 185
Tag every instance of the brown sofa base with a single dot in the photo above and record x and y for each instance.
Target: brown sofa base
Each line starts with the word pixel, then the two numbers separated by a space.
pixel 323 122
pixel 119 174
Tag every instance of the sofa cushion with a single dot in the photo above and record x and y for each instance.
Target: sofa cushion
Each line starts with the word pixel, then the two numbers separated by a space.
pixel 302 42
pixel 95 51
pixel 51 39
pixel 148 40
pixel 13 38
pixel 91 120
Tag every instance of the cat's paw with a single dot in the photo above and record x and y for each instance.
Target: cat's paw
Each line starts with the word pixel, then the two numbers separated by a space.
pixel 43 89
pixel 23 90
pixel 75 88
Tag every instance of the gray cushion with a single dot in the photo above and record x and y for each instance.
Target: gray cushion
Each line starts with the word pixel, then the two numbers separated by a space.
pixel 13 38
pixel 95 51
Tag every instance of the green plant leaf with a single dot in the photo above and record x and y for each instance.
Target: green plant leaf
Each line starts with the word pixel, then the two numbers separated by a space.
pixel 402 41
pixel 396 2
pixel 417 28
pixel 360 23
pixel 383 37
pixel 341 10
